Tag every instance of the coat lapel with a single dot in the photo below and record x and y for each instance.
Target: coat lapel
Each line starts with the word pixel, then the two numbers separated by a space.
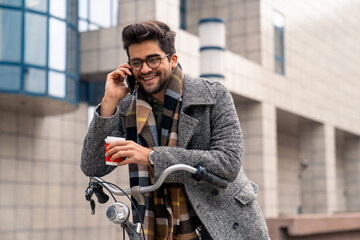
pixel 186 129
pixel 194 93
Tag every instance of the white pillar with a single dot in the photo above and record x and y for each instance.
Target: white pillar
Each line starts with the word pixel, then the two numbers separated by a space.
pixel 212 49
pixel 258 122
pixel 270 161
pixel 330 168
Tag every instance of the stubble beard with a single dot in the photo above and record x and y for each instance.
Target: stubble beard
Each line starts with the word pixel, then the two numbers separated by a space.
pixel 163 81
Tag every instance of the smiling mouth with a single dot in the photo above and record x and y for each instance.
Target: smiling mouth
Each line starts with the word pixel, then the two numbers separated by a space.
pixel 149 78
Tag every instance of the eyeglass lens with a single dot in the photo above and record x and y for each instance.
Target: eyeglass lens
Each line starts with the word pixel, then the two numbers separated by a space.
pixel 152 62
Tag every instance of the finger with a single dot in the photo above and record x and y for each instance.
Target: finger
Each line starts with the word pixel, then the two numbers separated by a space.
pixel 125 71
pixel 125 65
pixel 122 154
pixel 118 74
pixel 124 162
pixel 114 150
pixel 115 76
pixel 120 143
pixel 125 68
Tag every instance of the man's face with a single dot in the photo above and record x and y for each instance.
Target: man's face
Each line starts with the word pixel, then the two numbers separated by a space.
pixel 152 80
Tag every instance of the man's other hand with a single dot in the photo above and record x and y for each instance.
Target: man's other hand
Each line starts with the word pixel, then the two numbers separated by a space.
pixel 133 152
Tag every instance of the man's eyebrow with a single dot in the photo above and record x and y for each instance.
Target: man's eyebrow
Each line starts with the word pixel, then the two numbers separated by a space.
pixel 148 56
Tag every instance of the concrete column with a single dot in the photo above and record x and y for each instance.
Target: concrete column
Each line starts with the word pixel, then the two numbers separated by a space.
pixel 330 168
pixel 311 153
pixel 318 152
pixel 352 169
pixel 347 171
pixel 258 123
pixel 270 164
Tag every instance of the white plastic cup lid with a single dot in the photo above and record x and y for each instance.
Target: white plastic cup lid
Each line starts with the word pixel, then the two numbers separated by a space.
pixel 110 139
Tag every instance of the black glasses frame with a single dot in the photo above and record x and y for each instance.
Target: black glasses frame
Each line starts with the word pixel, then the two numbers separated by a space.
pixel 130 62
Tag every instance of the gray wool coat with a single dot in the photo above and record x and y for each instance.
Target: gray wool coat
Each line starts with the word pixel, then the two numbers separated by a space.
pixel 209 134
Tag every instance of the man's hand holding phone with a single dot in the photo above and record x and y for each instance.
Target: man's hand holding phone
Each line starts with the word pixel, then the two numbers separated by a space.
pixel 115 89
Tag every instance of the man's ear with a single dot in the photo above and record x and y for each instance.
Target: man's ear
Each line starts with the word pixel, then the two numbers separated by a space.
pixel 173 61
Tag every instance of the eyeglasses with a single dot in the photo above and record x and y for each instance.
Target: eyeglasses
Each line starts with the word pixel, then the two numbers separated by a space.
pixel 153 62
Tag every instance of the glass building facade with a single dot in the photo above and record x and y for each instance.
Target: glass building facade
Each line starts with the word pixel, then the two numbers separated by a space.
pixel 95 14
pixel 39 48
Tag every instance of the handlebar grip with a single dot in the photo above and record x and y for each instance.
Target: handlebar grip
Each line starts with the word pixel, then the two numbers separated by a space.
pixel 202 174
pixel 99 192
pixel 140 218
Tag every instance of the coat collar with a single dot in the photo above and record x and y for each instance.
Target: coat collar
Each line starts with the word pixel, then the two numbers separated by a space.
pixel 196 92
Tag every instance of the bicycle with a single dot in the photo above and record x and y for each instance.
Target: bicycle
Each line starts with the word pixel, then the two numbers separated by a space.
pixel 119 212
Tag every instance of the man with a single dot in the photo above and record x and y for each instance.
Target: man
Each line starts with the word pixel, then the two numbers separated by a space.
pixel 173 118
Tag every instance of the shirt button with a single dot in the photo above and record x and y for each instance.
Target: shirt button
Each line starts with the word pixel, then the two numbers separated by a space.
pixel 215 192
pixel 236 225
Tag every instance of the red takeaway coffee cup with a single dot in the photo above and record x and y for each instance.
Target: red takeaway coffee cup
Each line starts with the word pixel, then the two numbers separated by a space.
pixel 108 140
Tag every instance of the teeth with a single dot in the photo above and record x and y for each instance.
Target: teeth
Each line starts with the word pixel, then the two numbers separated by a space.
pixel 149 78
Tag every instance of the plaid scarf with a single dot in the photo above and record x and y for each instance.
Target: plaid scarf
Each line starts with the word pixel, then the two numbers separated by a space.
pixel 167 209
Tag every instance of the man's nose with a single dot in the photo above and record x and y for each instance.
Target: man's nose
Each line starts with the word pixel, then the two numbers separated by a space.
pixel 145 68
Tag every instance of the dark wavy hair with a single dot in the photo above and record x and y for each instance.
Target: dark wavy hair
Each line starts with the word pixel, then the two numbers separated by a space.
pixel 150 30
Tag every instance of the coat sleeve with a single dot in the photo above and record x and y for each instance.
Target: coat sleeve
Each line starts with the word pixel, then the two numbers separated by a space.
pixel 93 152
pixel 223 157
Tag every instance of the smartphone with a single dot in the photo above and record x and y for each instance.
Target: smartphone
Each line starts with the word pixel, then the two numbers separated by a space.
pixel 131 82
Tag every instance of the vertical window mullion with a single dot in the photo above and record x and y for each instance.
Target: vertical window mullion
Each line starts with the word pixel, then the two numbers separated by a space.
pixel 47 48
pixel 22 66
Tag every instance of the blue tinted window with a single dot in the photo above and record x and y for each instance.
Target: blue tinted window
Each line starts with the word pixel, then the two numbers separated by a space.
pixel 92 92
pixel 83 26
pixel 279 23
pixel 35 39
pixel 183 14
pixel 35 80
pixel 279 50
pixel 39 5
pixel 97 10
pixel 114 13
pixel 10 34
pixel 94 14
pixel 57 44
pixel 39 46
pixel 57 84
pixel 83 9
pixel 58 8
pixel 10 77
pixel 11 2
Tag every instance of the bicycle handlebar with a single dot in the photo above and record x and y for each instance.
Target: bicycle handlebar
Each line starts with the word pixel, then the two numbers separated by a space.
pixel 119 213
pixel 199 173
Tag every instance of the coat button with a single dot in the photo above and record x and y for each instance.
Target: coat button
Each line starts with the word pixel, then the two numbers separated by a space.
pixel 215 192
pixel 236 225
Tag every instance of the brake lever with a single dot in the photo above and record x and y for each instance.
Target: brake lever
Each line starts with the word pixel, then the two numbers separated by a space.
pixel 88 196
pixel 92 205
pixel 89 192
